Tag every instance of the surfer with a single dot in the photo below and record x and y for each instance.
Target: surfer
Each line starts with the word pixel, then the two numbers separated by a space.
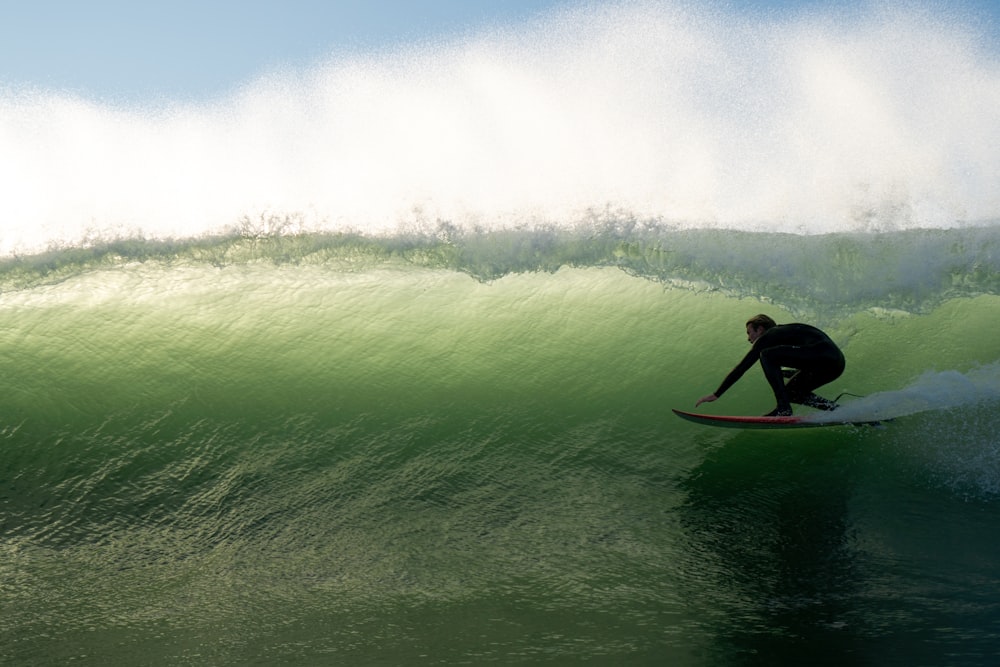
pixel 813 360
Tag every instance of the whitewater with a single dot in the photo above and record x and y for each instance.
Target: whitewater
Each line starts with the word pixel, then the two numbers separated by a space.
pixel 816 123
pixel 372 362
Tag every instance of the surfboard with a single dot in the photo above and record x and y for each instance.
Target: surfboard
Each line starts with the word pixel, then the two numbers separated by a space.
pixel 795 421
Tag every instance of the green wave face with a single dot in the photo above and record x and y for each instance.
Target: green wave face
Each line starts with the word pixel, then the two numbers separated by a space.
pixel 353 441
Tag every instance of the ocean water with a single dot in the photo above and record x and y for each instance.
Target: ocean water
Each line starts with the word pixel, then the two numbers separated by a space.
pixel 373 364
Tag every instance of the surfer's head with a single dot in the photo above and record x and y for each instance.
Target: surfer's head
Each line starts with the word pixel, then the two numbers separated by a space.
pixel 762 321
pixel 757 325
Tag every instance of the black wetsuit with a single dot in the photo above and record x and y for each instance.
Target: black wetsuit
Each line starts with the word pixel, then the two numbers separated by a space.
pixel 816 359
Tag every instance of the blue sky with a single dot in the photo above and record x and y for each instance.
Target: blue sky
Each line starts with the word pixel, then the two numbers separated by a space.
pixel 200 48
pixel 133 50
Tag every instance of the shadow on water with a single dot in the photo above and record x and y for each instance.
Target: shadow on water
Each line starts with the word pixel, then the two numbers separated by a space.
pixel 768 514
pixel 842 547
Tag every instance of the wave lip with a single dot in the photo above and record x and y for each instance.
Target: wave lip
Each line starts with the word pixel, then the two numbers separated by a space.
pixel 907 271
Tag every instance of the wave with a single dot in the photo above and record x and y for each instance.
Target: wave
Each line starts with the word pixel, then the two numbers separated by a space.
pixel 389 346
pixel 911 271
pixel 942 427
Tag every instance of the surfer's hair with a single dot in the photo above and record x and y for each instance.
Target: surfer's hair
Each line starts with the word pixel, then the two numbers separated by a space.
pixel 761 321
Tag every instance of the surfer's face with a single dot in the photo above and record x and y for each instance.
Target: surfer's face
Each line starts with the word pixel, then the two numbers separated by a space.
pixel 753 333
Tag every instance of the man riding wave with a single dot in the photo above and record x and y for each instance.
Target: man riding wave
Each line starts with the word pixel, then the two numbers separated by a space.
pixel 813 358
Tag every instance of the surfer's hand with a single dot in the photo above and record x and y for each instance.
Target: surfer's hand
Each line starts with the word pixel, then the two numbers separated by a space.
pixel 706 399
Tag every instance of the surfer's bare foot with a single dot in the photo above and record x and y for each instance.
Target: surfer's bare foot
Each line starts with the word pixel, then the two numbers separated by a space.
pixel 780 412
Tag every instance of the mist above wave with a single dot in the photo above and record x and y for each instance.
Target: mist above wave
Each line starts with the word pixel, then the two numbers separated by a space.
pixel 882 119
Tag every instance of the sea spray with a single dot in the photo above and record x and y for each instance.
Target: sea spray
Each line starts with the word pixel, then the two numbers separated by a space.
pixel 880 120
pixel 932 391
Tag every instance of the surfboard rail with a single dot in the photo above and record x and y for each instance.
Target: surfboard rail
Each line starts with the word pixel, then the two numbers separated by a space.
pixel 748 421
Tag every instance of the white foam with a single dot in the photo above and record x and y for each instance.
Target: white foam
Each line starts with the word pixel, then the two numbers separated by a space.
pixel 885 119
pixel 934 390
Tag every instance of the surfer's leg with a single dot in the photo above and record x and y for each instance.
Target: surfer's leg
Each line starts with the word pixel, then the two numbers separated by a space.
pixel 819 367
pixel 796 394
pixel 771 363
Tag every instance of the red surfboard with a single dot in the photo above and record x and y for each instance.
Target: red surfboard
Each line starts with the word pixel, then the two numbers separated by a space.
pixel 795 421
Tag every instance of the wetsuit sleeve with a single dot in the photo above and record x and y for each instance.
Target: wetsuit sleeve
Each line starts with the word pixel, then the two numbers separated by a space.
pixel 738 372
